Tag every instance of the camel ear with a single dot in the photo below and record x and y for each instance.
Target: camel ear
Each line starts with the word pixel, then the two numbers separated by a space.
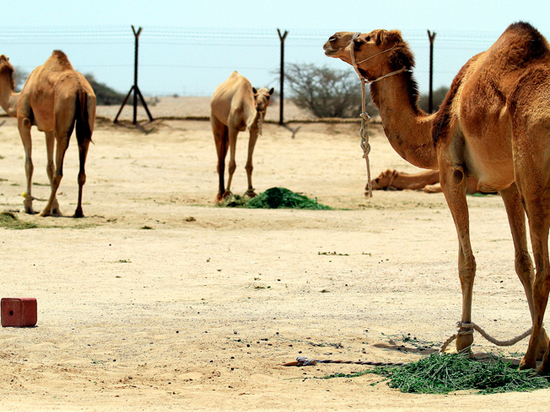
pixel 271 91
pixel 254 90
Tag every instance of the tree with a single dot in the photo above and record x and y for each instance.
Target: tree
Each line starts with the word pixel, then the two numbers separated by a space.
pixel 105 95
pixel 323 91
pixel 19 77
pixel 438 96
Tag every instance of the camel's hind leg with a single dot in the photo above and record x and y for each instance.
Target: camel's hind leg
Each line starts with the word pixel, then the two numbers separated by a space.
pixel 249 166
pixel 50 168
pixel 220 132
pixel 24 125
pixel 83 145
pixel 524 265
pixel 539 225
pixel 62 139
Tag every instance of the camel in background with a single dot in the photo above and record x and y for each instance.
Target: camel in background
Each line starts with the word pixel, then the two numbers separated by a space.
pixel 55 99
pixel 236 106
pixel 427 180
pixel 494 126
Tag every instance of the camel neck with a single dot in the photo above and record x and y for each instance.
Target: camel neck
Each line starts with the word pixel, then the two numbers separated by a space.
pixel 8 98
pixel 408 129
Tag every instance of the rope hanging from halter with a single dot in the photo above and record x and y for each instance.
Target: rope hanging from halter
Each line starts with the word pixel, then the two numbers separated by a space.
pixel 365 118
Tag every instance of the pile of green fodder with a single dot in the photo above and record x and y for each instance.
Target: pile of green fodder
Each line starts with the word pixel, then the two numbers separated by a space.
pixel 274 198
pixel 440 374
pixel 9 220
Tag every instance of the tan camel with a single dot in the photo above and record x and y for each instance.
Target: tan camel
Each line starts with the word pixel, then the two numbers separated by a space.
pixel 494 126
pixel 236 106
pixel 55 99
pixel 427 180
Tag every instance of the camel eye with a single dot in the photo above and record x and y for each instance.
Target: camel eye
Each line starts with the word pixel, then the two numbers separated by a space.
pixel 367 38
pixel 332 38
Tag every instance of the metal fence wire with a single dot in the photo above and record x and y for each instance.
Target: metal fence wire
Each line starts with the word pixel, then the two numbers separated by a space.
pixel 179 68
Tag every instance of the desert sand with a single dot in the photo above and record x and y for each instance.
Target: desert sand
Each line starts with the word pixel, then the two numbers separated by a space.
pixel 160 300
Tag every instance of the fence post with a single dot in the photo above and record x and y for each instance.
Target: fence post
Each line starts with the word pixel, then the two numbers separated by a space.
pixel 135 88
pixel 282 71
pixel 431 37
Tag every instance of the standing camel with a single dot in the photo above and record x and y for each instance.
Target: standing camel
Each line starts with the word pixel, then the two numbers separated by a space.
pixel 55 99
pixel 235 106
pixel 493 126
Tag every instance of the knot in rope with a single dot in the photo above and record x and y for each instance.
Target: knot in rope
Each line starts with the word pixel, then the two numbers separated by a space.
pixel 467 328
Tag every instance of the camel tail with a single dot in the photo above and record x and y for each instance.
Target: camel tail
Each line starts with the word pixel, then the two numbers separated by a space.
pixel 84 116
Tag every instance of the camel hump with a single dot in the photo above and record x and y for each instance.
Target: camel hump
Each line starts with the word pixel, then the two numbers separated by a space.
pixel 530 43
pixel 59 61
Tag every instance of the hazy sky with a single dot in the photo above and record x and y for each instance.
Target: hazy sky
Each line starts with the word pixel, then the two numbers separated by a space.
pixel 360 15
pixel 197 64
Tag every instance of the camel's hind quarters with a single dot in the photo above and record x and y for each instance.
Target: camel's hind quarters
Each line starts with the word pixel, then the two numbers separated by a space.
pixel 74 103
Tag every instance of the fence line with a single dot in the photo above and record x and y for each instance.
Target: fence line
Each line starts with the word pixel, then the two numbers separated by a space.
pixel 180 67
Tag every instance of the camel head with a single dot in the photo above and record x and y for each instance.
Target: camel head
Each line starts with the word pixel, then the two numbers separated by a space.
pixel 262 98
pixel 381 51
pixel 337 46
pixel 376 53
pixel 384 180
pixel 6 69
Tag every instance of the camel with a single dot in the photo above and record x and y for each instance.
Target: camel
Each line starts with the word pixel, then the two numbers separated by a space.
pixel 492 126
pixel 55 99
pixel 427 180
pixel 236 106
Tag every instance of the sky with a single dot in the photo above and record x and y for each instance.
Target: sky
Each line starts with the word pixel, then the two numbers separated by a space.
pixel 190 73
pixel 486 15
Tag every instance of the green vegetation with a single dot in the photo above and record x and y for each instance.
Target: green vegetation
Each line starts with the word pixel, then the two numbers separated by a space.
pixel 274 198
pixel 441 374
pixel 8 220
pixel 323 91
pixel 105 95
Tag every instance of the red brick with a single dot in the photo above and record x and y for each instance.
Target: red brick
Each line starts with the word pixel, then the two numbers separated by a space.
pixel 19 312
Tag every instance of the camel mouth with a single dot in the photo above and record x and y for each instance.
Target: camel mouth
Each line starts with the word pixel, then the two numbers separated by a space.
pixel 329 51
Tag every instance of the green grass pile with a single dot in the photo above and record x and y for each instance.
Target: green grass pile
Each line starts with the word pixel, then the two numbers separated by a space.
pixel 275 198
pixel 8 220
pixel 440 374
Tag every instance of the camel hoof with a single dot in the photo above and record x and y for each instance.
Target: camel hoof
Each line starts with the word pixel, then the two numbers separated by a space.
pixel 251 193
pixel 78 213
pixel 527 364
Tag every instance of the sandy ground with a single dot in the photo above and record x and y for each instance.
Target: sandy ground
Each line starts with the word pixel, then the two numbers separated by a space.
pixel 160 300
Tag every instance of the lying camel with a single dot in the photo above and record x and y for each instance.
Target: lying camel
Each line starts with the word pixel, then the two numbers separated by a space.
pixel 493 126
pixel 428 181
pixel 55 99
pixel 235 106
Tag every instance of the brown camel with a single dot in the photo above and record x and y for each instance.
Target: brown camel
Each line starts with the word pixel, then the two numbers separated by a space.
pixel 55 99
pixel 236 106
pixel 493 126
pixel 427 180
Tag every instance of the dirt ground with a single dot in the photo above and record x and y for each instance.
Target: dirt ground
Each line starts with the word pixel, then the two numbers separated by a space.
pixel 160 300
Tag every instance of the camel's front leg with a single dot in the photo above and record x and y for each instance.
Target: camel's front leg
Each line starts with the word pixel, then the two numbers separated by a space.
pixel 454 189
pixel 219 130
pixel 524 265
pixel 50 168
pixel 24 125
pixel 233 132
pixel 249 167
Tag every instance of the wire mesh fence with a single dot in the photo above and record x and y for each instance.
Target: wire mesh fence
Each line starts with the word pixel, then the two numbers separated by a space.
pixel 179 68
